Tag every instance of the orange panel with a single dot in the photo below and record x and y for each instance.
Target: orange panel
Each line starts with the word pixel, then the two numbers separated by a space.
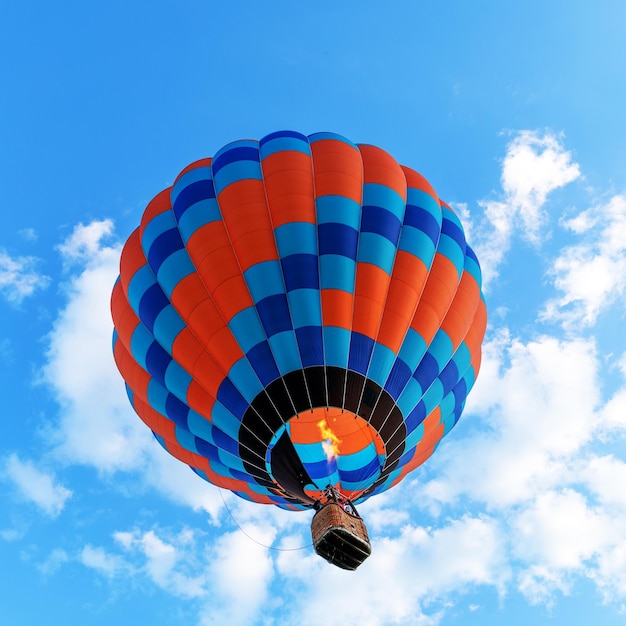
pixel 132 259
pixel 461 313
pixel 255 247
pixel 232 296
pixel 134 375
pixel 380 168
pixel 337 308
pixel 288 178
pixel 188 294
pixel 417 181
pixel 372 283
pixel 156 422
pixel 200 400
pixel 338 169
pixel 206 239
pixel 225 348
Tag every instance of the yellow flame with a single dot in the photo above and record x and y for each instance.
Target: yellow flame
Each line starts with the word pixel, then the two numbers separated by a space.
pixel 331 442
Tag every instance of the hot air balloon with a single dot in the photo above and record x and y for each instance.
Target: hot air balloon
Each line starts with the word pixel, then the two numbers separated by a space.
pixel 299 319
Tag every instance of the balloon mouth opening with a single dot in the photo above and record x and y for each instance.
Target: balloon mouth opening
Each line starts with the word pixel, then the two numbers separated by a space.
pixel 335 447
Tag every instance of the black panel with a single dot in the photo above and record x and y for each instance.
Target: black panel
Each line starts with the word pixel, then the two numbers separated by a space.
pixel 288 470
pixel 275 406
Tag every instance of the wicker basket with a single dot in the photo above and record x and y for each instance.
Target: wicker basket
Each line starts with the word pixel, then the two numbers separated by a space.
pixel 340 537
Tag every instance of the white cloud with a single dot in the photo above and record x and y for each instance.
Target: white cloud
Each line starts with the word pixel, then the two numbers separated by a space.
pixel 590 275
pixel 96 426
pixel 104 562
pixel 534 166
pixel 36 486
pixel 19 277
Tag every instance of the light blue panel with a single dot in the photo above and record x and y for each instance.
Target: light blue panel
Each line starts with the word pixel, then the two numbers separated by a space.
pixel 156 226
pixel 375 194
pixel 416 242
pixel 296 238
pixel 315 137
pixel 413 438
pixel 223 419
pixel 199 426
pixel 433 396
pixel 285 350
pixel 338 209
pixel 245 380
pixel 336 346
pixel 141 281
pixel 140 343
pixel 381 363
pixel 305 307
pixel 425 201
pixel 185 439
pixel 236 171
pixel 446 406
pixel 157 397
pixel 281 144
pixel 441 348
pixel 196 216
pixel 167 326
pixel 409 398
pixel 246 328
pixel 177 380
pixel 310 452
pixel 189 178
pixel 449 422
pixel 337 272
pixel 377 250
pixel 173 270
pixel 450 249
pixel 358 460
pixel 413 349
pixel 462 359
pixel 230 460
pixel 264 279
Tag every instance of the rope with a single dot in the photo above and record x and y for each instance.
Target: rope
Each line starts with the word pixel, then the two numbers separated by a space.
pixel 255 540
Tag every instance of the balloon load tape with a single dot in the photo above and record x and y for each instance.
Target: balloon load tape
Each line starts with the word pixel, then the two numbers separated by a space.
pixel 339 533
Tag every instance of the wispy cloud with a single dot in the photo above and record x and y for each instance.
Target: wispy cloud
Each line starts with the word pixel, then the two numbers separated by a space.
pixel 36 486
pixel 19 277
pixel 535 164
pixel 591 274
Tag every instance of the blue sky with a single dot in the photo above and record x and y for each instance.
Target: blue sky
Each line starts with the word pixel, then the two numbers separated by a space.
pixel 514 112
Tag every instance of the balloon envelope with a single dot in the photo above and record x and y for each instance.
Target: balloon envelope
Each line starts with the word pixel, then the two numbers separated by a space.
pixel 299 312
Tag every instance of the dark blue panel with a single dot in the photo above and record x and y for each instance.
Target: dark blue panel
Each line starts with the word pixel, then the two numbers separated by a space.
pixel 310 342
pixel 422 220
pixel 300 271
pixel 338 239
pixel 449 377
pixel 283 133
pixel 406 457
pixel 223 441
pixel 378 220
pixel 176 410
pixel 163 246
pixel 471 254
pixel 207 450
pixel 354 476
pixel 157 361
pixel 427 371
pixel 230 397
pixel 236 154
pixel 460 395
pixel 263 363
pixel 451 229
pixel 398 378
pixel 151 304
pixel 195 192
pixel 415 417
pixel 317 470
pixel 360 352
pixel 239 475
pixel 274 314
